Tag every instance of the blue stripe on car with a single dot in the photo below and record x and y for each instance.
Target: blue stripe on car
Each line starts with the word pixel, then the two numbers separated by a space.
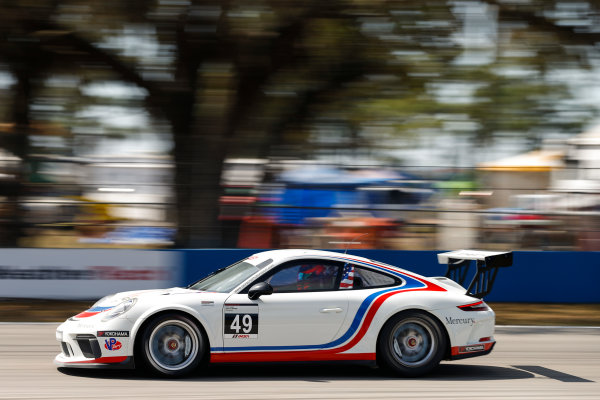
pixel 410 283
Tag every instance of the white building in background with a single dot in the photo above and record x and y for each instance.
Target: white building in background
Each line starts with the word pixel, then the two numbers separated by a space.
pixel 569 172
pixel 578 185
pixel 138 194
pixel 545 199
pixel 138 188
pixel 580 179
pixel 524 174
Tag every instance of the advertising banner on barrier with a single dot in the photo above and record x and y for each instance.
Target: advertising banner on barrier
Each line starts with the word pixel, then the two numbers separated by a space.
pixel 84 274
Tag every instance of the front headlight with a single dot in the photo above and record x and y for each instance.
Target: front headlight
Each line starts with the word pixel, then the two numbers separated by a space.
pixel 101 300
pixel 119 309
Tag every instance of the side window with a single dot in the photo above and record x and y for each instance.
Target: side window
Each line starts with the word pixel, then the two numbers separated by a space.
pixel 305 276
pixel 355 277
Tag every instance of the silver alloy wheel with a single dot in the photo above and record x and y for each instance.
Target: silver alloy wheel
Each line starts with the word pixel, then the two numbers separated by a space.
pixel 173 345
pixel 413 342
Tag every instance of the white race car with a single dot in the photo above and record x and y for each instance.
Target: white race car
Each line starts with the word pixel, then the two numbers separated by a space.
pixel 293 305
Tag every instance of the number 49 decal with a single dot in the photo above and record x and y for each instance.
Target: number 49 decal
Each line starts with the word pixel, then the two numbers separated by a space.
pixel 240 321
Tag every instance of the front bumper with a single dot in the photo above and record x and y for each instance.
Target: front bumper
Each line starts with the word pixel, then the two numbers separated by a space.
pixel 104 362
pixel 94 344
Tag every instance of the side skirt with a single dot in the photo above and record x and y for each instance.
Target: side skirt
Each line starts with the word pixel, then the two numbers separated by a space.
pixel 309 356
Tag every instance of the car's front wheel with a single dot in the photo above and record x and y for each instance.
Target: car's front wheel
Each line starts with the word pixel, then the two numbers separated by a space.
pixel 171 345
pixel 411 344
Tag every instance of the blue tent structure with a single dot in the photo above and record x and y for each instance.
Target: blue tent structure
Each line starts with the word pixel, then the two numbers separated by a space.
pixel 312 191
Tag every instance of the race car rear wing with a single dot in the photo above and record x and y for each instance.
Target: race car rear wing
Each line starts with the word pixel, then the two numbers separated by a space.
pixel 487 264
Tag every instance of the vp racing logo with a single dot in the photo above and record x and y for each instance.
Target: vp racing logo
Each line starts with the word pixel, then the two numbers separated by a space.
pixel 112 344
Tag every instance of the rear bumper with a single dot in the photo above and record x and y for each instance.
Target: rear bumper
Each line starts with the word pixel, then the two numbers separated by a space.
pixel 473 350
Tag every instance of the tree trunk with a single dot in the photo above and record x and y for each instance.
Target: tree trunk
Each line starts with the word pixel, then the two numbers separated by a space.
pixel 19 146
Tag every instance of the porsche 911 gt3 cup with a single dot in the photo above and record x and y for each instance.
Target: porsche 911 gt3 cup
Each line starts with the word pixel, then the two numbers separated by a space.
pixel 293 305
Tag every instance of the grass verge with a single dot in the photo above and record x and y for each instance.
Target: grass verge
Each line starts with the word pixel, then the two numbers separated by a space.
pixel 546 314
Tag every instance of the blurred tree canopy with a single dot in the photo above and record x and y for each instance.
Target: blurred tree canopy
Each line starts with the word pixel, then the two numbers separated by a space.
pixel 307 78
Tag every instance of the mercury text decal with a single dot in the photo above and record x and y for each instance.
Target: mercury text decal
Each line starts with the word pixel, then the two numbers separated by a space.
pixel 460 321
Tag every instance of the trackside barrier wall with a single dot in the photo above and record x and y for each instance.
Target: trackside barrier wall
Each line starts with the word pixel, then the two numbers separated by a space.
pixel 87 274
pixel 535 277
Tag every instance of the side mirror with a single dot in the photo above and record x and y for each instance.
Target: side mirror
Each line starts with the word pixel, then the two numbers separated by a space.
pixel 258 289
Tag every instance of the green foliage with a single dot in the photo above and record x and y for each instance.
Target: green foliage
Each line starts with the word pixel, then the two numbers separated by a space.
pixel 249 78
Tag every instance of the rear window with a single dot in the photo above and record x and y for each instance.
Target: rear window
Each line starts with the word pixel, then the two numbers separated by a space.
pixel 355 277
pixel 372 278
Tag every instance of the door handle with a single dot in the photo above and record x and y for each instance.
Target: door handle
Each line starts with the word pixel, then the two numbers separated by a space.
pixel 331 310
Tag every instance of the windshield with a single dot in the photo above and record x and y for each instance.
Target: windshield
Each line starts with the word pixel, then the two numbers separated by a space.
pixel 225 280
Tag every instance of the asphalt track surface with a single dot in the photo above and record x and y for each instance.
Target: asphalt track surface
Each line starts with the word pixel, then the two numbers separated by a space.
pixel 527 363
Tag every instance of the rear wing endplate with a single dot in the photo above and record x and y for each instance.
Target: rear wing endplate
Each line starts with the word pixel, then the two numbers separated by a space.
pixel 487 264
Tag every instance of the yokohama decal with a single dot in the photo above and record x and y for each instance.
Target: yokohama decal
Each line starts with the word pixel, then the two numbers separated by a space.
pixel 474 348
pixel 333 350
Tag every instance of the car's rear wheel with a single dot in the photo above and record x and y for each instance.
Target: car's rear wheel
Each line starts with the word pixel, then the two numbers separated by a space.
pixel 171 345
pixel 411 344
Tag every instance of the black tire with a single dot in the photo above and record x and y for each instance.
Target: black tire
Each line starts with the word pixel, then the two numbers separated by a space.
pixel 171 345
pixel 411 344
